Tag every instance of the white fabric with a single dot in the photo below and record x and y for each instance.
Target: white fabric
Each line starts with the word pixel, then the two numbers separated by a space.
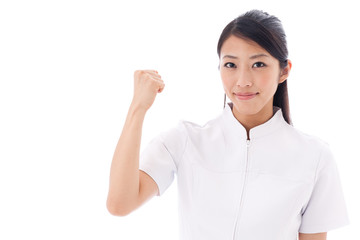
pixel 282 183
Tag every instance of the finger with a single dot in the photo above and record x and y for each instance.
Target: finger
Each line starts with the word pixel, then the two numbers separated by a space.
pixel 153 74
pixel 161 88
pixel 151 71
pixel 161 82
pixel 154 77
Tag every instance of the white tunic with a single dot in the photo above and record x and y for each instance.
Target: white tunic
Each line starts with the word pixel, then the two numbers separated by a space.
pixel 278 183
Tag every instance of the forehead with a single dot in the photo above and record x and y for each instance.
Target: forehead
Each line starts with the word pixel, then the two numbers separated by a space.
pixel 241 47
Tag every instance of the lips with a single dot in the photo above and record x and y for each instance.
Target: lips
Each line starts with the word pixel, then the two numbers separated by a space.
pixel 246 95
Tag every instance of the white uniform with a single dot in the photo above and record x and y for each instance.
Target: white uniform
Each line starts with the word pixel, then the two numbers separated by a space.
pixel 278 183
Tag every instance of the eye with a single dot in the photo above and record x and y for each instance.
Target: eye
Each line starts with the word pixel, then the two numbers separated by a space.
pixel 229 65
pixel 259 64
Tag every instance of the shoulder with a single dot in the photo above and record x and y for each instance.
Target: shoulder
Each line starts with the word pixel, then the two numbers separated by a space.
pixel 202 132
pixel 313 147
pixel 306 139
pixel 181 131
pixel 174 135
pixel 215 121
pixel 311 150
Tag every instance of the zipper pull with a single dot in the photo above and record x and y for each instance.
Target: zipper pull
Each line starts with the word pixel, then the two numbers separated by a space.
pixel 247 142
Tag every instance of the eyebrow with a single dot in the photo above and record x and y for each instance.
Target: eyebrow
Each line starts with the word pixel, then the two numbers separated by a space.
pixel 252 57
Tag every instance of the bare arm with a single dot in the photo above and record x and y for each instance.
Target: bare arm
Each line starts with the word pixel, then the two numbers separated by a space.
pixel 129 187
pixel 312 236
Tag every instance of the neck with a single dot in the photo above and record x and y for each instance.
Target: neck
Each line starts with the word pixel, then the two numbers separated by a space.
pixel 253 120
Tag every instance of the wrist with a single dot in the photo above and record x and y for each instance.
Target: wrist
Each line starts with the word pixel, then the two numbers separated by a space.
pixel 137 109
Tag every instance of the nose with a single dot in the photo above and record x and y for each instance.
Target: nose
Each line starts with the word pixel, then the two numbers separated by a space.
pixel 244 78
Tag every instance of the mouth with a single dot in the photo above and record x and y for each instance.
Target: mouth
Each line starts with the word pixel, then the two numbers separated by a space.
pixel 246 96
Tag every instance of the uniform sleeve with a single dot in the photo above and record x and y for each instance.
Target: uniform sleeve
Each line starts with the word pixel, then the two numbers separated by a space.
pixel 326 208
pixel 162 155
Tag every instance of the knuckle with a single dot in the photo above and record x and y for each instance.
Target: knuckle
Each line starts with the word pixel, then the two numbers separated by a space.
pixel 138 73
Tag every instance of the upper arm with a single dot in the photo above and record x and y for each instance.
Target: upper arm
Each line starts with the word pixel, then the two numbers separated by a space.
pixel 312 236
pixel 162 156
pixel 147 188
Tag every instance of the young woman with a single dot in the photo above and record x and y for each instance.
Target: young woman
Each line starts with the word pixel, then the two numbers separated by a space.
pixel 246 174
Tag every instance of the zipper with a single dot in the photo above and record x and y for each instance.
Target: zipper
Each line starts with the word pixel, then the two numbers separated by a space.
pixel 243 188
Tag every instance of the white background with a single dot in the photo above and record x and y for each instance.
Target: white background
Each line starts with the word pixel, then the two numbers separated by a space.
pixel 66 82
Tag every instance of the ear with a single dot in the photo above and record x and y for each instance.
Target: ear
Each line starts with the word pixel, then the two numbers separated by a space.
pixel 285 72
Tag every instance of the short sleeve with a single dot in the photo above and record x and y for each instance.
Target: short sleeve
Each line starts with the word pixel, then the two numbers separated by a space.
pixel 162 155
pixel 326 208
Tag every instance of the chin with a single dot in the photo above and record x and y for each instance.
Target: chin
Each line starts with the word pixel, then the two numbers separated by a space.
pixel 245 109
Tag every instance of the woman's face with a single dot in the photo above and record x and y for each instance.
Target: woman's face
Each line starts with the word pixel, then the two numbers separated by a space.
pixel 250 76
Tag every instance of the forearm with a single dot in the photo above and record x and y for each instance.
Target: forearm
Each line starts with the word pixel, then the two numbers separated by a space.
pixel 312 236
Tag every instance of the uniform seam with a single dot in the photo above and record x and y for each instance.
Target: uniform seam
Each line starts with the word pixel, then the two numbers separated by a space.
pixel 318 165
pixel 314 181
pixel 171 155
pixel 185 146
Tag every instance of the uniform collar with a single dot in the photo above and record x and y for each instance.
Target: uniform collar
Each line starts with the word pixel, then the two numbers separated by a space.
pixel 235 128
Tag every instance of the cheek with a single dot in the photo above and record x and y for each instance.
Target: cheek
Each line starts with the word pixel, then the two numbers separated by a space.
pixel 226 80
pixel 268 82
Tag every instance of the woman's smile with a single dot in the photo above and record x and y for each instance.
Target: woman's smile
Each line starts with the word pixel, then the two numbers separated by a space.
pixel 245 96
